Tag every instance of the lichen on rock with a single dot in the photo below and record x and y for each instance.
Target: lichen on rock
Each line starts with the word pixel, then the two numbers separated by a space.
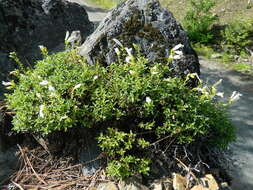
pixel 146 24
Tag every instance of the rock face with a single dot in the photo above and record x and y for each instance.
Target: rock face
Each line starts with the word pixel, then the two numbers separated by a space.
pixel 26 24
pixel 144 23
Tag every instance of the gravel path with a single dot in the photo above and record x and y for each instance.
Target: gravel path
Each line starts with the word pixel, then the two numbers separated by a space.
pixel 95 13
pixel 242 117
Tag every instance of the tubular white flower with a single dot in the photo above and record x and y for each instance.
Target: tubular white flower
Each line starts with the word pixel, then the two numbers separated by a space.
pixel 67 36
pixel 131 72
pixel 178 46
pixel 177 56
pixel 148 100
pixel 44 82
pixel 38 95
pixel 128 59
pixel 41 47
pixel 177 52
pixel 235 96
pixel 154 72
pixel 117 51
pixel 41 114
pixel 117 42
pixel 51 88
pixel 167 79
pixel 220 94
pixel 77 86
pixel 6 83
pixel 53 94
pixel 63 117
pixel 129 51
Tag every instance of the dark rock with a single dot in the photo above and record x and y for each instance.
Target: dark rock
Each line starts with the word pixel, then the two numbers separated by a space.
pixel 8 157
pixel 144 23
pixel 26 24
pixel 89 153
pixel 8 163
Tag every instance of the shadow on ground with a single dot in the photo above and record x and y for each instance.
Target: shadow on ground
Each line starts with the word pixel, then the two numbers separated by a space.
pixel 242 117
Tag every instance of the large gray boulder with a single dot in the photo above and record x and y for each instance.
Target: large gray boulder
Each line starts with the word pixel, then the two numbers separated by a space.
pixel 26 24
pixel 146 23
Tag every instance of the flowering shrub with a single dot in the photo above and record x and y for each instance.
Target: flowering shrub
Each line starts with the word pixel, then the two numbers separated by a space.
pixel 135 105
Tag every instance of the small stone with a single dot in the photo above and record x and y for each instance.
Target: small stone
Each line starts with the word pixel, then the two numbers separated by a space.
pixel 156 185
pixel 199 187
pixel 131 185
pixel 224 186
pixel 210 182
pixel 167 184
pixel 107 186
pixel 179 182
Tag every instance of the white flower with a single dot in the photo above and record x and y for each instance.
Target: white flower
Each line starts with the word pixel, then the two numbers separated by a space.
pixel 154 72
pixel 132 72
pixel 220 94
pixel 95 77
pixel 128 59
pixel 235 96
pixel 129 51
pixel 178 52
pixel 178 46
pixel 177 57
pixel 9 85
pixel 77 86
pixel 6 83
pixel 117 42
pixel 41 47
pixel 53 94
pixel 38 95
pixel 117 51
pixel 64 117
pixel 44 82
pixel 148 100
pixel 167 79
pixel 41 114
pixel 51 88
pixel 67 35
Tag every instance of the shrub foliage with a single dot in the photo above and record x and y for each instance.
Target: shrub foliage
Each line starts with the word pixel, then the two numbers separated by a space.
pixel 236 36
pixel 199 20
pixel 134 104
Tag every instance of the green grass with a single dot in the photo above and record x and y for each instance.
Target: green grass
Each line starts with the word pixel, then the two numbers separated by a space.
pixel 242 67
pixel 106 4
pixel 226 10
pixel 203 50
